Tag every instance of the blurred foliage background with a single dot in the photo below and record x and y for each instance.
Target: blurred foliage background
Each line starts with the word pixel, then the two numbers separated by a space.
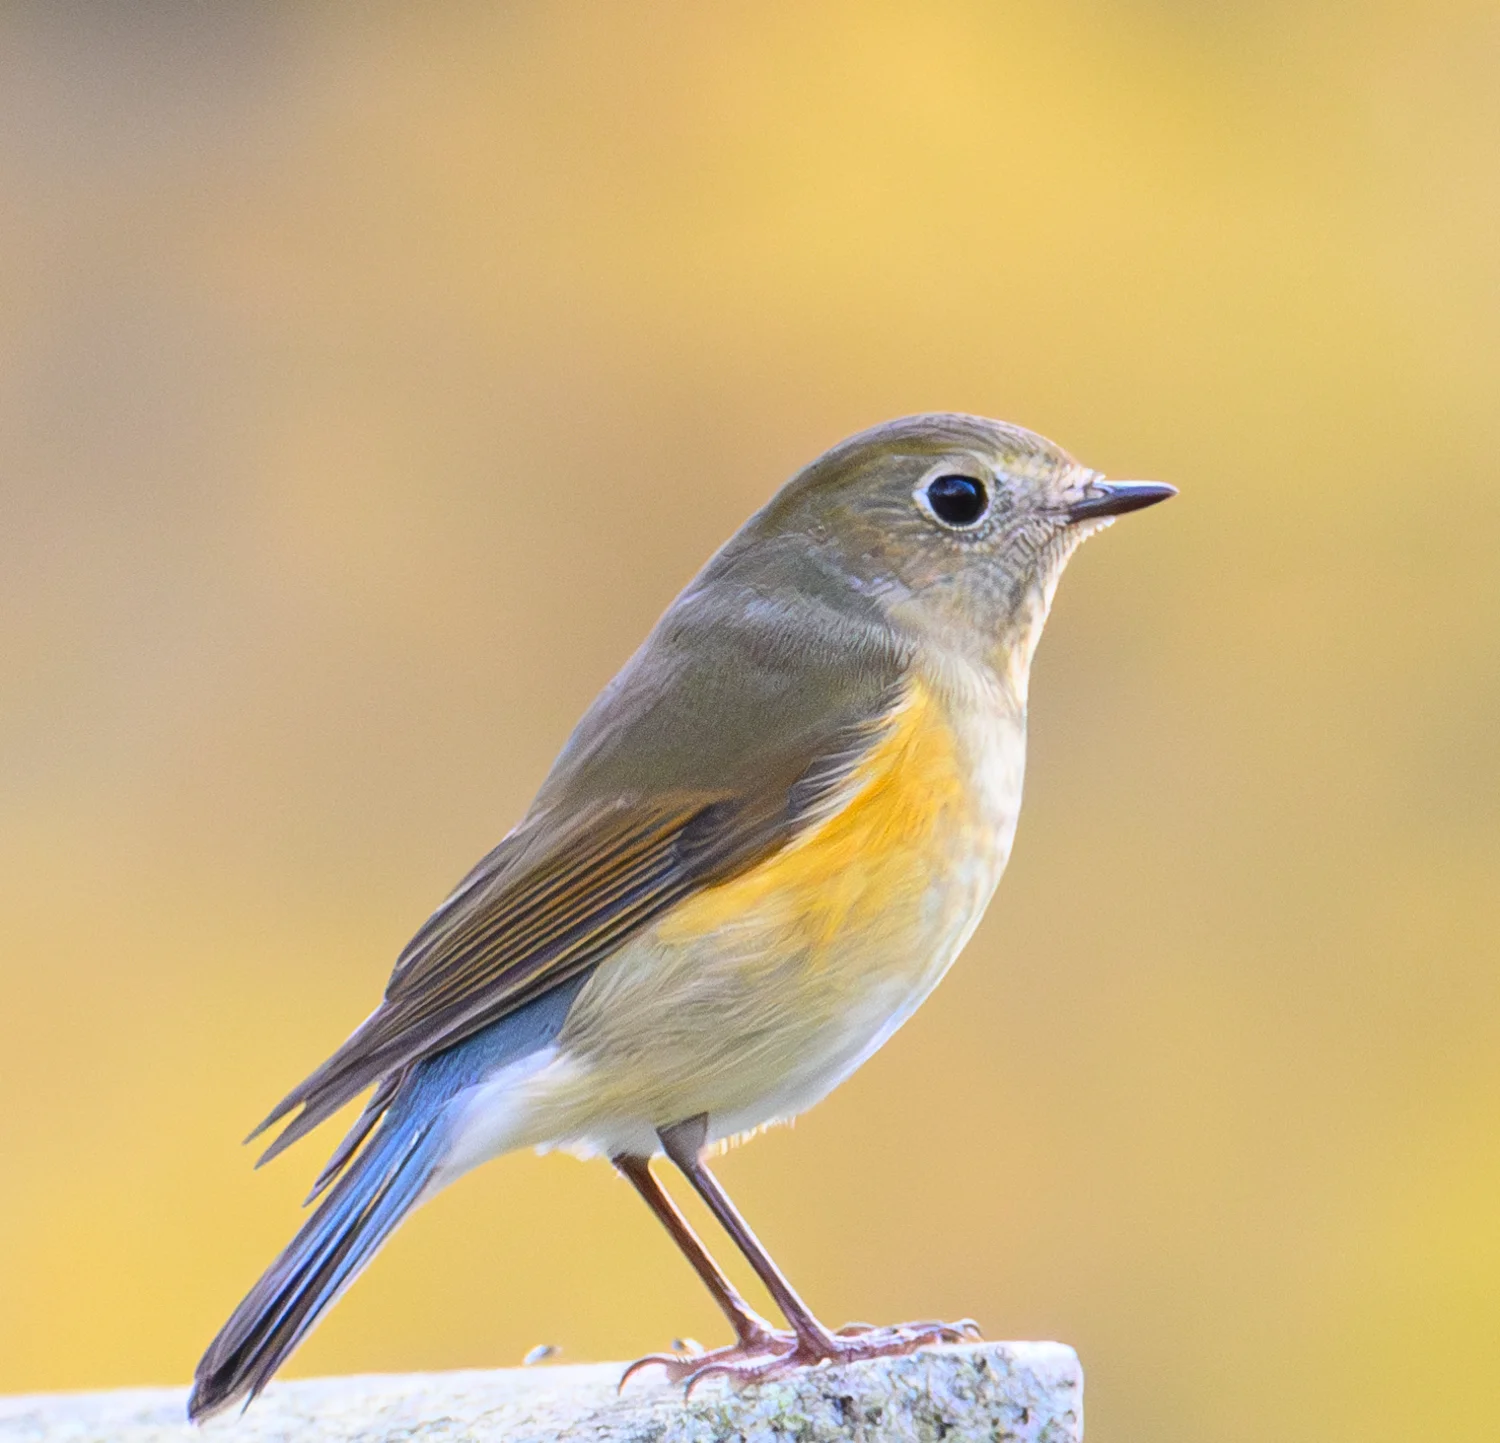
pixel 370 378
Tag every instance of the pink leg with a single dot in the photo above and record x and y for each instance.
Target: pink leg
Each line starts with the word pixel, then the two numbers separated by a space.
pixel 812 1343
pixel 754 1337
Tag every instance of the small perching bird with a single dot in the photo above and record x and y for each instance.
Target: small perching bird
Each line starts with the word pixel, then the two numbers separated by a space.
pixel 761 849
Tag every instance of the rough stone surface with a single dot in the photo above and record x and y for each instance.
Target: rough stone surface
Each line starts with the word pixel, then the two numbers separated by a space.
pixel 999 1392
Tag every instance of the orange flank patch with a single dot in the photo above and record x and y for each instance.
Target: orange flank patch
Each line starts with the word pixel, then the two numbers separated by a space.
pixel 903 804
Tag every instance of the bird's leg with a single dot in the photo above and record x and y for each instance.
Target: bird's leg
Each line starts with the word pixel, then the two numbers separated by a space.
pixel 813 1342
pixel 754 1337
pixel 684 1145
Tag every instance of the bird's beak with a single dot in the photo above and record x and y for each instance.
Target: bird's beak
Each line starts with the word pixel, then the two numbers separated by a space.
pixel 1115 498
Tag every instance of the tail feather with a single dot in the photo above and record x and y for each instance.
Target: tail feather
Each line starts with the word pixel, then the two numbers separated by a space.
pixel 382 1173
pixel 332 1248
pixel 354 1139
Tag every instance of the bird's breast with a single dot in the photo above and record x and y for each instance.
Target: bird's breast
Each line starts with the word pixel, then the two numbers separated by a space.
pixel 753 998
pixel 926 818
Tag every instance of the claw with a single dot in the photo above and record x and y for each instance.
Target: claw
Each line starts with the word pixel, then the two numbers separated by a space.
pixel 691 1363
pixel 853 1343
pixel 667 1361
pixel 774 1354
pixel 740 1374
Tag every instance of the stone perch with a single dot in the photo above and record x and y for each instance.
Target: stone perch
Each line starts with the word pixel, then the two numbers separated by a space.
pixel 998 1392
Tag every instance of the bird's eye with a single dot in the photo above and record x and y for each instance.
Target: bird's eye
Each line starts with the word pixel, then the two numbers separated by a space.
pixel 957 500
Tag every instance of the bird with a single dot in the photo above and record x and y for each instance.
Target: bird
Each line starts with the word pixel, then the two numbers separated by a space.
pixel 759 851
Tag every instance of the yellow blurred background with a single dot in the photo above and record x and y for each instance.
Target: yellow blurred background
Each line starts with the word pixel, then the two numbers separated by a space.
pixel 371 377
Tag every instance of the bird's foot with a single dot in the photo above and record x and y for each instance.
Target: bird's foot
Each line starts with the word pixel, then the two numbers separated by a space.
pixel 853 1343
pixel 687 1361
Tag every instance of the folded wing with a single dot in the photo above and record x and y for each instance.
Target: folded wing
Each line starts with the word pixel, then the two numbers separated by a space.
pixel 601 854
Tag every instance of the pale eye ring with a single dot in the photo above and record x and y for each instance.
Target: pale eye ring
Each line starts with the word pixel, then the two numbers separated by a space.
pixel 956 500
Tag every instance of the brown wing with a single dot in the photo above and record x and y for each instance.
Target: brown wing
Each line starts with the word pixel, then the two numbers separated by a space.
pixel 522 923
pixel 733 725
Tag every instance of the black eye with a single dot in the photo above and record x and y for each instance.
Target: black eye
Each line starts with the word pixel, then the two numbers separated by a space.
pixel 957 500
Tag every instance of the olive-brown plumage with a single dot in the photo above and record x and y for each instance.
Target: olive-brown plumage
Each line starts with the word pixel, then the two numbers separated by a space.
pixel 759 851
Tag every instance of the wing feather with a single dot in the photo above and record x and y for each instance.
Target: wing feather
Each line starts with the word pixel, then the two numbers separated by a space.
pixel 508 943
pixel 746 753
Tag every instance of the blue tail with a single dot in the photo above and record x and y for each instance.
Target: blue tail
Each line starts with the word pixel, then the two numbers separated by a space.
pixel 383 1183
pixel 320 1262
